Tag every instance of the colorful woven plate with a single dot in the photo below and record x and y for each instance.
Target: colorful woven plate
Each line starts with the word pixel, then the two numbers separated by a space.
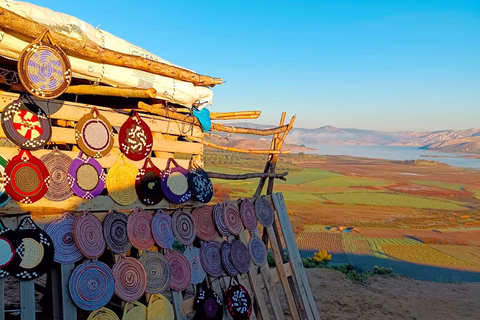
pixel 4 197
pixel 44 69
pixel 264 211
pixel 26 125
pixel 139 229
pixel 130 279
pixel 158 271
pixel 86 177
pixel 148 183
pixel 60 231
pixel 94 134
pixel 121 181
pixel 135 138
pixel 183 227
pixel 203 219
pixel 200 184
pixel 175 183
pixel 159 308
pixel 218 219
pixel 115 232
pixel 134 310
pixel 227 259
pixel 9 242
pixel 57 164
pixel 257 250
pixel 26 178
pixel 88 235
pixel 208 305
pixel 231 217
pixel 181 272
pixel 240 256
pixel 91 285
pixel 211 258
pixel 247 213
pixel 103 314
pixel 162 229
pixel 238 302
pixel 193 256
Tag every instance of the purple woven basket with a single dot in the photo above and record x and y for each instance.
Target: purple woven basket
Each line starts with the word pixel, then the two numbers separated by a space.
pixel 219 221
pixel 203 219
pixel 175 183
pixel 240 256
pixel 247 212
pixel 139 229
pixel 231 217
pixel 257 250
pixel 130 279
pixel 61 232
pixel 88 235
pixel 162 229
pixel 115 232
pixel 183 227
pixel 211 258
pixel 264 211
pixel 181 272
pixel 86 177
pixel 227 259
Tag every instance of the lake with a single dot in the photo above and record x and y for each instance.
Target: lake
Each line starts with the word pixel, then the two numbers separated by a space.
pixel 397 153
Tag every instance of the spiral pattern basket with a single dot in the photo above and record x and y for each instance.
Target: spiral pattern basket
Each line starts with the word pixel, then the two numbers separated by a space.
pixel 135 138
pixel 240 256
pixel 86 177
pixel 232 219
pixel 9 242
pixel 158 271
pixel 227 259
pixel 130 279
pixel 159 308
pixel 139 229
pixel 219 220
pixel 4 197
pixel 91 285
pixel 183 227
pixel 60 231
pixel 26 125
pixel 134 310
pixel 181 272
pixel 103 314
pixel 247 213
pixel 238 302
pixel 257 250
pixel 200 185
pixel 94 134
pixel 175 183
pixel 57 164
pixel 88 235
pixel 211 258
pixel 208 305
pixel 162 229
pixel 203 220
pixel 121 181
pixel 148 183
pixel 193 256
pixel 115 232
pixel 264 212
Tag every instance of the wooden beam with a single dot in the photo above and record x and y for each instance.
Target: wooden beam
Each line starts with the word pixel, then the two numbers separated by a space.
pixel 217 175
pixel 251 151
pixel 235 115
pixel 112 91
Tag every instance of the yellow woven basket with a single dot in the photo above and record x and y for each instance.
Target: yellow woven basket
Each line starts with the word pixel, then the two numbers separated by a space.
pixel 159 308
pixel 103 314
pixel 134 311
pixel 121 181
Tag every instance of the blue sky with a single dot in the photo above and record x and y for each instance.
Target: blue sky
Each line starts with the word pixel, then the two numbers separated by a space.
pixel 372 64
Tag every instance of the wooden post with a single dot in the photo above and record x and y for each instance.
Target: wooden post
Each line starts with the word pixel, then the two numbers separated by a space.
pixel 27 299
pixel 2 299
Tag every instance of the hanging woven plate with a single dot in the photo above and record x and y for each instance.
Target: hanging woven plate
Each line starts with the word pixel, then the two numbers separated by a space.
pixel 135 138
pixel 158 271
pixel 159 308
pixel 247 213
pixel 183 227
pixel 148 183
pixel 134 310
pixel 91 285
pixel 264 211
pixel 26 178
pixel 36 251
pixel 181 272
pixel 200 184
pixel 240 256
pixel 257 250
pixel 203 220
pixel 219 221
pixel 86 177
pixel 94 134
pixel 88 235
pixel 115 232
pixel 130 278
pixel 57 164
pixel 60 231
pixel 9 242
pixel 208 305
pixel 238 302
pixel 139 229
pixel 44 69
pixel 211 258
pixel 162 229
pixel 103 314
pixel 193 256
pixel 4 197
pixel 26 125
pixel 232 219
pixel 175 183
pixel 227 259
pixel 121 181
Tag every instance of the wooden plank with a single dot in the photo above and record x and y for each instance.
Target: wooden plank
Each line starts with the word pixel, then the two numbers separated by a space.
pixel 177 305
pixel 27 299
pixel 274 274
pixel 2 299
pixel 68 306
pixel 56 291
pixel 295 259
pixel 187 306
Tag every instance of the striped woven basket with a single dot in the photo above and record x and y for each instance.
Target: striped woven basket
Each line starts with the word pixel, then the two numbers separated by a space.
pixel 103 314
pixel 57 164
pixel 159 308
pixel 121 181
pixel 134 311
pixel 94 134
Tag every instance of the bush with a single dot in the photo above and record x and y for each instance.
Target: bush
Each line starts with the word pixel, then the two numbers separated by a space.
pixel 350 270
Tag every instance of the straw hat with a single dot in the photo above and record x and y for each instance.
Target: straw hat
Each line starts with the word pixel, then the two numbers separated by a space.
pixel 159 308
pixel 181 272
pixel 121 181
pixel 94 134
pixel 130 278
pixel 193 256
pixel 88 235
pixel 227 259
pixel 203 219
pixel 257 250
pixel 115 232
pixel 60 231
pixel 148 183
pixel 9 242
pixel 231 217
pixel 240 256
pixel 57 164
pixel 183 227
pixel 238 302
pixel 247 213
pixel 134 311
pixel 219 220
pixel 175 183
pixel 86 177
pixel 200 184
pixel 135 138
pixel 264 211
pixel 162 229
pixel 103 314
pixel 139 229
pixel 158 271
pixel 211 258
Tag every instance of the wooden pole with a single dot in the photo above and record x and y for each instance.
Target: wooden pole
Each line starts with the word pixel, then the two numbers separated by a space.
pixel 216 175
pixel 235 115
pixel 251 151
pixel 89 50
pixel 112 91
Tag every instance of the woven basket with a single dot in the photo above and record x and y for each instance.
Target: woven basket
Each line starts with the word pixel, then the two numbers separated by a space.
pixel 9 242
pixel 227 259
pixel 175 183
pixel 115 232
pixel 208 305
pixel 88 235
pixel 238 302
pixel 193 256
pixel 257 250
pixel 148 183
pixel 135 138
pixel 240 256
pixel 158 271
pixel 211 258
pixel 159 308
pixel 4 197
pixel 57 164
pixel 231 217
pixel 134 311
pixel 86 177
pixel 203 219
pixel 181 272
pixel 139 229
pixel 183 227
pixel 94 134
pixel 130 279
pixel 162 229
pixel 200 184
pixel 247 213
pixel 44 69
pixel 264 211
pixel 121 181
pixel 219 220
pixel 60 231
pixel 103 314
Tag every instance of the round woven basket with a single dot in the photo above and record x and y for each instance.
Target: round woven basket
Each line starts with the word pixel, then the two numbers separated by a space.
pixel 183 227
pixel 219 220
pixel 130 279
pixel 134 310
pixel 139 229
pixel 257 250
pixel 208 305
pixel 121 181
pixel 200 184
pixel 115 232
pixel 158 271
pixel 247 213
pixel 86 177
pixel 57 164
pixel 91 285
pixel 240 256
pixel 175 183
pixel 203 220
pixel 264 211
pixel 60 231
pixel 238 302
pixel 162 229
pixel 232 219
pixel 94 134
pixel 193 256
pixel 44 69
pixel 135 138
pixel 103 314
pixel 148 183
pixel 26 178
pixel 88 235
pixel 4 197
pixel 26 125
pixel 181 272
pixel 9 242
pixel 227 259
pixel 211 258
pixel 159 308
